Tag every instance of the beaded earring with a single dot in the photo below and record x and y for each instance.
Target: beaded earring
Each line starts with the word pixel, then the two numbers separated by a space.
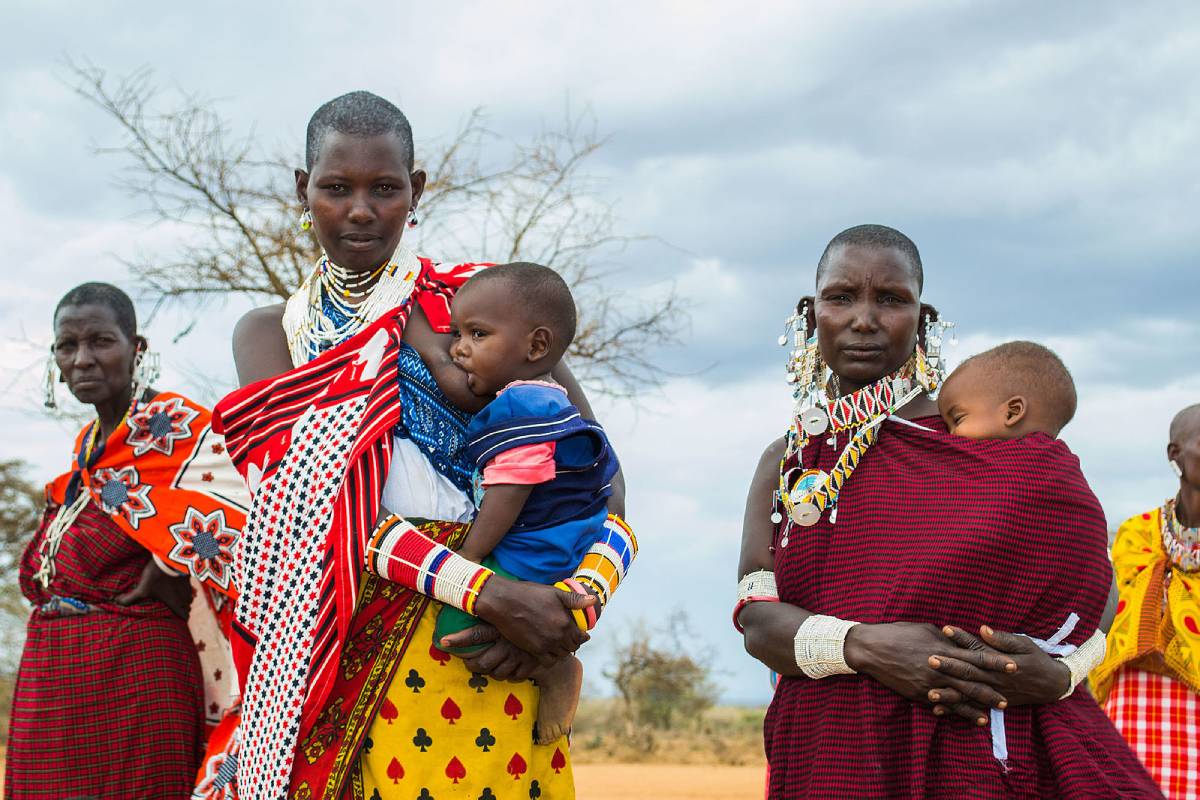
pixel 412 217
pixel 52 378
pixel 306 220
pixel 805 368
pixel 930 366
pixel 146 370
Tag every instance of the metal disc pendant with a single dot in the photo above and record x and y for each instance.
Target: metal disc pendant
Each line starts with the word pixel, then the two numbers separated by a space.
pixel 806 514
pixel 814 420
pixel 783 340
pixel 776 518
pixel 783 542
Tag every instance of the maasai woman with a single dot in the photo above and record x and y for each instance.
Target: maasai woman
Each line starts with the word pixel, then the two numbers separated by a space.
pixel 1151 673
pixel 869 526
pixel 345 696
pixel 110 698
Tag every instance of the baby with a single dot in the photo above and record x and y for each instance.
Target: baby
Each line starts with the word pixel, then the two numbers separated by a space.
pixel 543 473
pixel 1007 392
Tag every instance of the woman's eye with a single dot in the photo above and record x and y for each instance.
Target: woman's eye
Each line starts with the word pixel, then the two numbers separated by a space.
pixel 478 334
pixel 385 188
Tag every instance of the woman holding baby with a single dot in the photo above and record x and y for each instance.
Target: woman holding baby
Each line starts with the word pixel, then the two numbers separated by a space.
pixel 884 526
pixel 352 432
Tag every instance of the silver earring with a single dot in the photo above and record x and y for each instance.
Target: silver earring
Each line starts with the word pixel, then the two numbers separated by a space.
pixel 146 370
pixel 306 220
pixel 1178 470
pixel 412 217
pixel 51 380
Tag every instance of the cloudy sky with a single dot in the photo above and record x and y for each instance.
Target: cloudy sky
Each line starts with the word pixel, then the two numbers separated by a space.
pixel 1043 158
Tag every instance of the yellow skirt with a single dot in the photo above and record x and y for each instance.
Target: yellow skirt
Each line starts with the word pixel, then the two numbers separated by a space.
pixel 443 733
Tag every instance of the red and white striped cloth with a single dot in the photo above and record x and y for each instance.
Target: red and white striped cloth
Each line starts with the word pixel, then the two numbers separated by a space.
pixel 1160 718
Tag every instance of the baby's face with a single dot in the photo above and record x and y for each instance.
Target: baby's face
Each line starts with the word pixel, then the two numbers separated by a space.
pixel 490 338
pixel 970 407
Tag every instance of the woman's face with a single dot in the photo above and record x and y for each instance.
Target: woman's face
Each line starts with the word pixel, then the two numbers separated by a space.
pixel 93 354
pixel 1184 450
pixel 868 309
pixel 360 191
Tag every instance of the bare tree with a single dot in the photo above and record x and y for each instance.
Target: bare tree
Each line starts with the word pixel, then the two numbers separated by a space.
pixel 537 203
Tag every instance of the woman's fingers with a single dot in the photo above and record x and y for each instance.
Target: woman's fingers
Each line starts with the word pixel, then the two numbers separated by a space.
pixel 974 666
pixel 473 636
pixel 977 652
pixel 1007 642
pixel 965 710
pixel 978 693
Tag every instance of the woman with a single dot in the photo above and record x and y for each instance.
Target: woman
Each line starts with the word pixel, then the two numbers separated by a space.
pixel 1151 673
pixel 110 697
pixel 377 710
pixel 868 526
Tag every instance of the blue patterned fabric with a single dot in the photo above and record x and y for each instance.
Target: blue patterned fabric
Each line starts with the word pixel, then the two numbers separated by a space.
pixel 427 417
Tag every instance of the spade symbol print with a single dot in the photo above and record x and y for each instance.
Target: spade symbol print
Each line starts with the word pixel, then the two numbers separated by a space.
pixel 388 711
pixel 455 770
pixel 485 740
pixel 512 706
pixel 517 766
pixel 422 740
pixel 440 656
pixel 451 711
pixel 558 761
pixel 395 771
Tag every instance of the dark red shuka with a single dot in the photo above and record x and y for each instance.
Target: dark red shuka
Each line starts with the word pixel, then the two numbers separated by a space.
pixel 107 704
pixel 946 530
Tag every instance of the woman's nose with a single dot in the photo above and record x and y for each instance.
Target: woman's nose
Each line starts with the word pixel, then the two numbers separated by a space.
pixel 864 318
pixel 361 212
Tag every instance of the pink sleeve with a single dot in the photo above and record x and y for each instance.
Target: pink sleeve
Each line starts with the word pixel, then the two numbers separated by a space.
pixel 524 465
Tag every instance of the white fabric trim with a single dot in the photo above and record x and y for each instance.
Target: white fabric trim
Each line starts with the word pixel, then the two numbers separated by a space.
pixel 414 489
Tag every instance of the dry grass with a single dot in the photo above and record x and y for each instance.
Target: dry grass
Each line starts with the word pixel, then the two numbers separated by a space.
pixel 726 736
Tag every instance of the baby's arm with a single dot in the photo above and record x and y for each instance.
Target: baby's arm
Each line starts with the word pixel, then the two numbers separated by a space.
pixel 434 350
pixel 502 503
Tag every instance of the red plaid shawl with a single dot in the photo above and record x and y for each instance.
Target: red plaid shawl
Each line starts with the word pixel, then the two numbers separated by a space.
pixel 314 445
pixel 946 530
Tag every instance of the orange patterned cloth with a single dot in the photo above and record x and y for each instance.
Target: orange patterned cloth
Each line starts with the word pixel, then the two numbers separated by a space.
pixel 1159 717
pixel 164 478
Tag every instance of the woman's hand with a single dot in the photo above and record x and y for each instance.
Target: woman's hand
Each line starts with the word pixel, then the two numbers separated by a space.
pixel 535 618
pixel 900 656
pixel 173 591
pixel 501 659
pixel 1026 676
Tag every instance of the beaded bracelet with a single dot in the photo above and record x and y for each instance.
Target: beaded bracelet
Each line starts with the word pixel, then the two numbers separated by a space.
pixel 1085 659
pixel 605 564
pixel 820 646
pixel 755 587
pixel 588 611
pixel 580 618
pixel 402 554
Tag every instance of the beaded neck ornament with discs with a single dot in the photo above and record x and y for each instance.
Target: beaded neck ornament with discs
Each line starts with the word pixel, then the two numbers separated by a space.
pixel 805 494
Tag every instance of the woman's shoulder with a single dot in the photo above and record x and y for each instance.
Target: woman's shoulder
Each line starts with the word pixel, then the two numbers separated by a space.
pixel 259 346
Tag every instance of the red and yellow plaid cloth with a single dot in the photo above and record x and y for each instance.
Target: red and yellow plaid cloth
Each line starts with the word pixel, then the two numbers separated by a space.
pixel 1160 718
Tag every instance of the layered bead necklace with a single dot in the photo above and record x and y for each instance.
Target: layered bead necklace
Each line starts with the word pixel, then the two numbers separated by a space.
pixel 1181 544
pixel 334 303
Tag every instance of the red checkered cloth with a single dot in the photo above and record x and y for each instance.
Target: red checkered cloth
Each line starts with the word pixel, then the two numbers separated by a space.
pixel 1160 717
pixel 942 529
pixel 108 703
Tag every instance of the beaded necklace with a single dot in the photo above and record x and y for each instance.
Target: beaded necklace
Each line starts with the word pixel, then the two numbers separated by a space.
pixel 1181 544
pixel 321 314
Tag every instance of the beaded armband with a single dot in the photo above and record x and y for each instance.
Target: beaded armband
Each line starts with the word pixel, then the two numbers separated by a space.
pixel 402 554
pixel 756 587
pixel 604 566
pixel 820 646
pixel 1085 659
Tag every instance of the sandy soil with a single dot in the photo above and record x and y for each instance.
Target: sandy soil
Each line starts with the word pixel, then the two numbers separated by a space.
pixel 667 782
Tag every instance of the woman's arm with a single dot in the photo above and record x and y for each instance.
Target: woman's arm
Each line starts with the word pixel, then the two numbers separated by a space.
pixel 434 350
pixel 259 347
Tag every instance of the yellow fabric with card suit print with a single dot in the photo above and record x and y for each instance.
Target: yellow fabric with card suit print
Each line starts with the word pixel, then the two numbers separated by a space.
pixel 1144 633
pixel 444 733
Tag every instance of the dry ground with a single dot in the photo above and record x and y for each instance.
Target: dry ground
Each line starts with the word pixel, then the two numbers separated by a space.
pixel 667 782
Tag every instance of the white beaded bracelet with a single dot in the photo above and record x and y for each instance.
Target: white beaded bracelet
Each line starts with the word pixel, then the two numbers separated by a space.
pixel 820 646
pixel 1085 659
